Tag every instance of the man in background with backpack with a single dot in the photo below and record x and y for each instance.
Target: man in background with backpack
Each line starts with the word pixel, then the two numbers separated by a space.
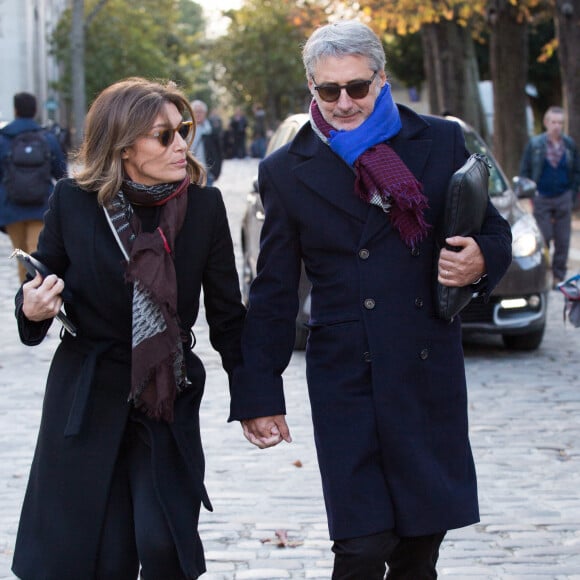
pixel 30 161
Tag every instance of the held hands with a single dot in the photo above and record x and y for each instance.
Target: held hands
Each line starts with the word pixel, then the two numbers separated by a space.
pixel 42 298
pixel 266 431
pixel 463 267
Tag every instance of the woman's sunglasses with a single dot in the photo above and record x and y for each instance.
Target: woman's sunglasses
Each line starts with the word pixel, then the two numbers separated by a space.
pixel 330 92
pixel 166 136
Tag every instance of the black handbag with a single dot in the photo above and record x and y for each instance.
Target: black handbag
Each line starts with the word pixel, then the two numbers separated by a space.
pixel 465 208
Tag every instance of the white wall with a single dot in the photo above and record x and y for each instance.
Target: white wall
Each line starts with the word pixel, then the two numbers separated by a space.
pixel 25 65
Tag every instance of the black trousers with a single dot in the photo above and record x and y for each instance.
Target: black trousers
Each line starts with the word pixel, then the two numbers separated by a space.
pixel 135 532
pixel 366 558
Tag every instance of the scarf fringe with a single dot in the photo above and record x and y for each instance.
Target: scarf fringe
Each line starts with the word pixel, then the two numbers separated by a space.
pixel 146 396
pixel 403 200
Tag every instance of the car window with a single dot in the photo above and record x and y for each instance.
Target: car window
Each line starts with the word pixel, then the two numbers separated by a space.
pixel 279 138
pixel 497 182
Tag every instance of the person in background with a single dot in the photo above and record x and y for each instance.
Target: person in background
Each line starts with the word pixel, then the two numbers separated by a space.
pixel 21 222
pixel 116 484
pixel 259 132
pixel 217 126
pixel 206 146
pixel 356 197
pixel 552 161
pixel 238 126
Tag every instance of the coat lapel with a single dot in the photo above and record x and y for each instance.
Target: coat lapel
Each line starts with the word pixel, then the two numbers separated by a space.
pixel 326 174
pixel 413 144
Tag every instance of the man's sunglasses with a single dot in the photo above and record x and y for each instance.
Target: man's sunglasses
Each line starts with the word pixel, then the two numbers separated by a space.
pixel 166 136
pixel 330 92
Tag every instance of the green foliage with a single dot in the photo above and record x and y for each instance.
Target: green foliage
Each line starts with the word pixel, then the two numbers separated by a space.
pixel 152 38
pixel 260 54
pixel 405 59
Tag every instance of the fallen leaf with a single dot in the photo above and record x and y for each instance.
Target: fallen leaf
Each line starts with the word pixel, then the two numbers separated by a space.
pixel 284 541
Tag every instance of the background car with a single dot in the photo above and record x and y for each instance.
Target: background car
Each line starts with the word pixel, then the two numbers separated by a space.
pixel 516 310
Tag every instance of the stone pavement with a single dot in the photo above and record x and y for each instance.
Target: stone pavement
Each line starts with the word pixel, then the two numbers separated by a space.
pixel 525 432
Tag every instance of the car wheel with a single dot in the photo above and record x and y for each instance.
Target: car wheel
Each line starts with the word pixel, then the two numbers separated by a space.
pixel 301 337
pixel 529 341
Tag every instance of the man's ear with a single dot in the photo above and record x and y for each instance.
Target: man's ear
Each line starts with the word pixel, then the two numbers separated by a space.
pixel 383 77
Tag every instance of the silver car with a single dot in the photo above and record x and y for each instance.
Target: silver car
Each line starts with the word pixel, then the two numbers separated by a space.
pixel 517 307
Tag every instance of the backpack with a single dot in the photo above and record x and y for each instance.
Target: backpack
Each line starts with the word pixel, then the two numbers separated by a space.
pixel 27 169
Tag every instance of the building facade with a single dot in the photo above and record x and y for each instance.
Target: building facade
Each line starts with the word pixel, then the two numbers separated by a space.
pixel 25 62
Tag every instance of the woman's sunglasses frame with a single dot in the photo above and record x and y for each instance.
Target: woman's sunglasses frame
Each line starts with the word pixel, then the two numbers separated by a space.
pixel 167 136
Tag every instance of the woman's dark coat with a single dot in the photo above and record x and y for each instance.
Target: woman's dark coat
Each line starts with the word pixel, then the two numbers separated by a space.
pixel 386 377
pixel 69 482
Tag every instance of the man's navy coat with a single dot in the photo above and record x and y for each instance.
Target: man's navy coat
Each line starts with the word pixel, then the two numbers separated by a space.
pixel 386 377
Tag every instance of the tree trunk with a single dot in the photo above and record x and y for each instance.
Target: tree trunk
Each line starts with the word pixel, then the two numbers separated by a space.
pixel 567 20
pixel 431 64
pixel 508 55
pixel 451 72
pixel 77 42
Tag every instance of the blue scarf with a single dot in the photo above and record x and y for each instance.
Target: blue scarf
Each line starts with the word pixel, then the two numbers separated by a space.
pixel 382 124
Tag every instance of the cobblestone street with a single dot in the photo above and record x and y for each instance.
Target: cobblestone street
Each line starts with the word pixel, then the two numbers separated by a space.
pixel 525 432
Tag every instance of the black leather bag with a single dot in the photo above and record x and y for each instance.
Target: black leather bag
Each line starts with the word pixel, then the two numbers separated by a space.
pixel 465 207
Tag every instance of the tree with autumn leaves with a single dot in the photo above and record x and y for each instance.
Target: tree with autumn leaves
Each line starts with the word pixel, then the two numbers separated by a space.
pixel 448 30
pixel 260 54
pixel 258 59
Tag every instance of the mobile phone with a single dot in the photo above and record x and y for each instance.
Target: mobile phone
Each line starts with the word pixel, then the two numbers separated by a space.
pixel 34 266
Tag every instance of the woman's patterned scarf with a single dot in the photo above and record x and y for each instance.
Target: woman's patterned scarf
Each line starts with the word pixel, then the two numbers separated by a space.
pixel 157 364
pixel 381 176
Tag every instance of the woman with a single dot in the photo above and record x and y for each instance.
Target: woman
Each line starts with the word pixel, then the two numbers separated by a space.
pixel 117 479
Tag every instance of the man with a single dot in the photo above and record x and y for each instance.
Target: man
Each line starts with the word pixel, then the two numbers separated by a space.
pixel 356 196
pixel 206 146
pixel 23 222
pixel 552 161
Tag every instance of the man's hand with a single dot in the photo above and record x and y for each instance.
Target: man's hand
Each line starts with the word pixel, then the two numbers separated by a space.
pixel 463 267
pixel 266 431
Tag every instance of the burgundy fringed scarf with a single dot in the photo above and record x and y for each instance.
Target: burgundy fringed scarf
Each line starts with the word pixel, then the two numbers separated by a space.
pixel 157 365
pixel 381 177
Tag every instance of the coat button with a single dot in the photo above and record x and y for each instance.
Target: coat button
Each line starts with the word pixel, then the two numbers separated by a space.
pixel 424 354
pixel 367 357
pixel 363 254
pixel 415 252
pixel 369 303
pixel 419 302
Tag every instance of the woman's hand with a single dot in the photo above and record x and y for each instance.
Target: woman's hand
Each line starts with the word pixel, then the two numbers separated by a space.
pixel 42 298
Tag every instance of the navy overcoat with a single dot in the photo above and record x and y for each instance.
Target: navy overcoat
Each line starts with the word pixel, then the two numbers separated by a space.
pixel 78 445
pixel 386 377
